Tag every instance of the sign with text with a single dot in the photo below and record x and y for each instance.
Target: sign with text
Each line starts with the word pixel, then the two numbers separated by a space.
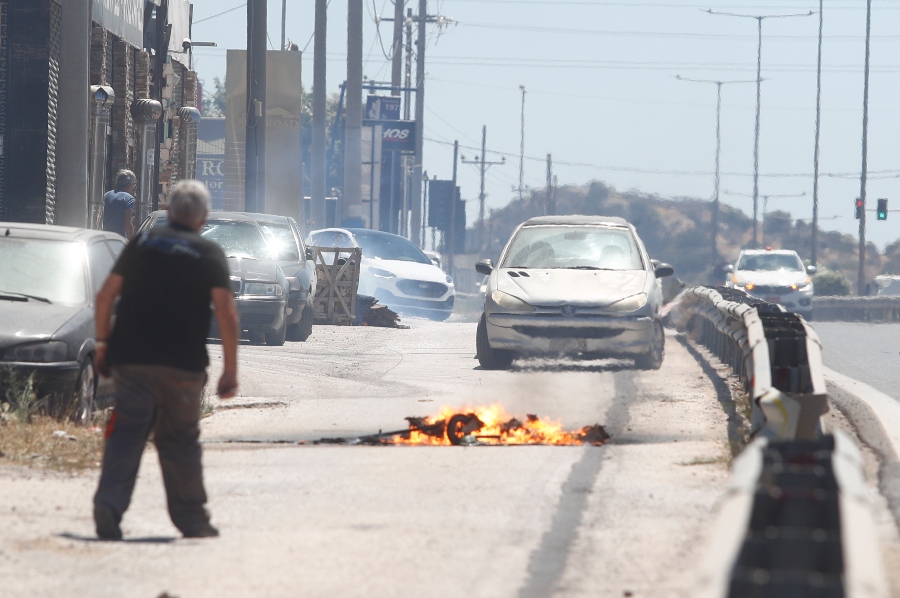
pixel 383 107
pixel 397 135
pixel 123 18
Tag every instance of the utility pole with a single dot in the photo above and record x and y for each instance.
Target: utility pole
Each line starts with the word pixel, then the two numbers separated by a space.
pixel 393 158
pixel 255 169
pixel 861 276
pixel 352 212
pixel 319 172
pixel 483 164
pixel 714 219
pixel 522 148
pixel 550 200
pixel 451 246
pixel 283 23
pixel 416 190
pixel 397 48
pixel 815 215
pixel 407 83
pixel 759 20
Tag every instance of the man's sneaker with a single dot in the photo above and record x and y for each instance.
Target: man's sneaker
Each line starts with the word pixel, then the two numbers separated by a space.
pixel 107 523
pixel 205 530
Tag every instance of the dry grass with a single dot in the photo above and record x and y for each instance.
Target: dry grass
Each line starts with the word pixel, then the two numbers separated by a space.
pixel 47 442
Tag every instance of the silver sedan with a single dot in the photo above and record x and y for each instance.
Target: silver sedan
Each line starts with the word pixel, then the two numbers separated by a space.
pixel 578 286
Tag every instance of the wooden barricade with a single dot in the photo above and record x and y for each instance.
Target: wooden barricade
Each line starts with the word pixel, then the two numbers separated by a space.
pixel 337 271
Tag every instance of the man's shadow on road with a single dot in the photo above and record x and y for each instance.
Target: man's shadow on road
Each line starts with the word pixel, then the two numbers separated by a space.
pixel 142 540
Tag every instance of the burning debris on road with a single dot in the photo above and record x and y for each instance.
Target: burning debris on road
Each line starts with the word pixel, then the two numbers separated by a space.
pixel 480 426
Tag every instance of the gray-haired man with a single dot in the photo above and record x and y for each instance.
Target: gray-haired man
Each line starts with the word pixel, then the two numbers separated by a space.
pixel 118 205
pixel 167 278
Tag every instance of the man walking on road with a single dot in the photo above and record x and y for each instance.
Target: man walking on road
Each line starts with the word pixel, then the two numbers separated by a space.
pixel 118 205
pixel 167 278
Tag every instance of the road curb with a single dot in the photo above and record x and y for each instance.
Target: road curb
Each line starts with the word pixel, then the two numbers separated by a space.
pixel 885 409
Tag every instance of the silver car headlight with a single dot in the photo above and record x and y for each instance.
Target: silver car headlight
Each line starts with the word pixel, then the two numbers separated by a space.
pixel 633 303
pixel 47 352
pixel 507 301
pixel 263 289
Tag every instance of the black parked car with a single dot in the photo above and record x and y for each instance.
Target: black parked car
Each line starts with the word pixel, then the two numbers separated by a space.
pixel 260 286
pixel 49 276
pixel 286 243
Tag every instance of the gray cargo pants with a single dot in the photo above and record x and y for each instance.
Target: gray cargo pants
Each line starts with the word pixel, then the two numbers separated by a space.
pixel 167 401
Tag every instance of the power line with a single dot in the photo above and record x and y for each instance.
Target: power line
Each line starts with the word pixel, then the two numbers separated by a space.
pixel 879 174
pixel 661 34
pixel 224 12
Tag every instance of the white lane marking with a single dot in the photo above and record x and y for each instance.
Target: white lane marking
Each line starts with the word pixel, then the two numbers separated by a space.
pixel 885 407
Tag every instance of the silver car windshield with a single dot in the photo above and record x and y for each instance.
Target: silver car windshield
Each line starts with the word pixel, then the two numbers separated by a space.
pixel 770 262
pixel 573 247
pixel 237 239
pixel 281 241
pixel 51 270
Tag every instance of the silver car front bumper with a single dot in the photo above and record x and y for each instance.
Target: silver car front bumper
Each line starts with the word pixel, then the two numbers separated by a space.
pixel 545 334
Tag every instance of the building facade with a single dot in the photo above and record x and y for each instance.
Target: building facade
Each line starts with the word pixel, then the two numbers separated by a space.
pixel 88 87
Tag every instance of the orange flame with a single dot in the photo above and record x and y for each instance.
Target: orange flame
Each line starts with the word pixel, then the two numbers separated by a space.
pixel 501 428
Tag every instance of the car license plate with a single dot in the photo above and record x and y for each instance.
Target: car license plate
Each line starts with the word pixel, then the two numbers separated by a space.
pixel 568 345
pixel 773 299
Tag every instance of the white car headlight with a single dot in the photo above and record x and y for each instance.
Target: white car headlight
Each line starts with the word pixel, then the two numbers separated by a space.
pixel 38 352
pixel 263 289
pixel 507 301
pixel 379 273
pixel 632 303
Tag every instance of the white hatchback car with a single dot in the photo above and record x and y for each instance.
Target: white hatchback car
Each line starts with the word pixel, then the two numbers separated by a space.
pixel 775 276
pixel 579 286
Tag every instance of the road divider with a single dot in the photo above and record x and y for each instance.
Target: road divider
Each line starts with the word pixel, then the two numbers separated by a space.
pixel 776 354
pixel 798 520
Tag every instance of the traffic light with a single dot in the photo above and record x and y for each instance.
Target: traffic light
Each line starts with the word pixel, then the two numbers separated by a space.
pixel 882 208
pixel 859 208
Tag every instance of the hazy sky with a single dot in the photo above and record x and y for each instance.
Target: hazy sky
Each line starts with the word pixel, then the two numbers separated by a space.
pixel 603 99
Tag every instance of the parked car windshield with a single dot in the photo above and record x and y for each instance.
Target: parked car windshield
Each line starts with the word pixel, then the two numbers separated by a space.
pixel 53 270
pixel 237 239
pixel 573 247
pixel 281 241
pixel 390 247
pixel 770 262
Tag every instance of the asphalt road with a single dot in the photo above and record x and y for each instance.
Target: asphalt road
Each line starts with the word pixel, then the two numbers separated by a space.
pixel 867 352
pixel 626 519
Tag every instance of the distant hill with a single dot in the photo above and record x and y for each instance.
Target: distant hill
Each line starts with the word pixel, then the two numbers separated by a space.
pixel 677 230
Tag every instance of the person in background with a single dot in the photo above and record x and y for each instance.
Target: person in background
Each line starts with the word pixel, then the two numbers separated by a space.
pixel 167 278
pixel 118 205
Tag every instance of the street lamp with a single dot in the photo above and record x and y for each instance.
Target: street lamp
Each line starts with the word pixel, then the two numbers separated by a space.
pixel 759 20
pixel 714 256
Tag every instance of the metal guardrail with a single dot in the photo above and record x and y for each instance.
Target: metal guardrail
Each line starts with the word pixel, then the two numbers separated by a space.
pixel 776 354
pixel 883 308
pixel 797 520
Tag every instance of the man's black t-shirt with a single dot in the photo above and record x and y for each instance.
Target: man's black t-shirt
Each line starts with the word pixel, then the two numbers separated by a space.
pixel 164 312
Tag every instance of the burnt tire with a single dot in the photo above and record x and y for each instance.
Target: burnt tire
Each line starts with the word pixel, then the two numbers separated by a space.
pixel 454 428
pixel 490 359
pixel 653 359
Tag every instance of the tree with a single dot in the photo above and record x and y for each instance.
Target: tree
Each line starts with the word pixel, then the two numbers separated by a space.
pixel 214 103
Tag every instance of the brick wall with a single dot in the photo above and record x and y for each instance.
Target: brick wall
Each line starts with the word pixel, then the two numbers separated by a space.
pixel 121 121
